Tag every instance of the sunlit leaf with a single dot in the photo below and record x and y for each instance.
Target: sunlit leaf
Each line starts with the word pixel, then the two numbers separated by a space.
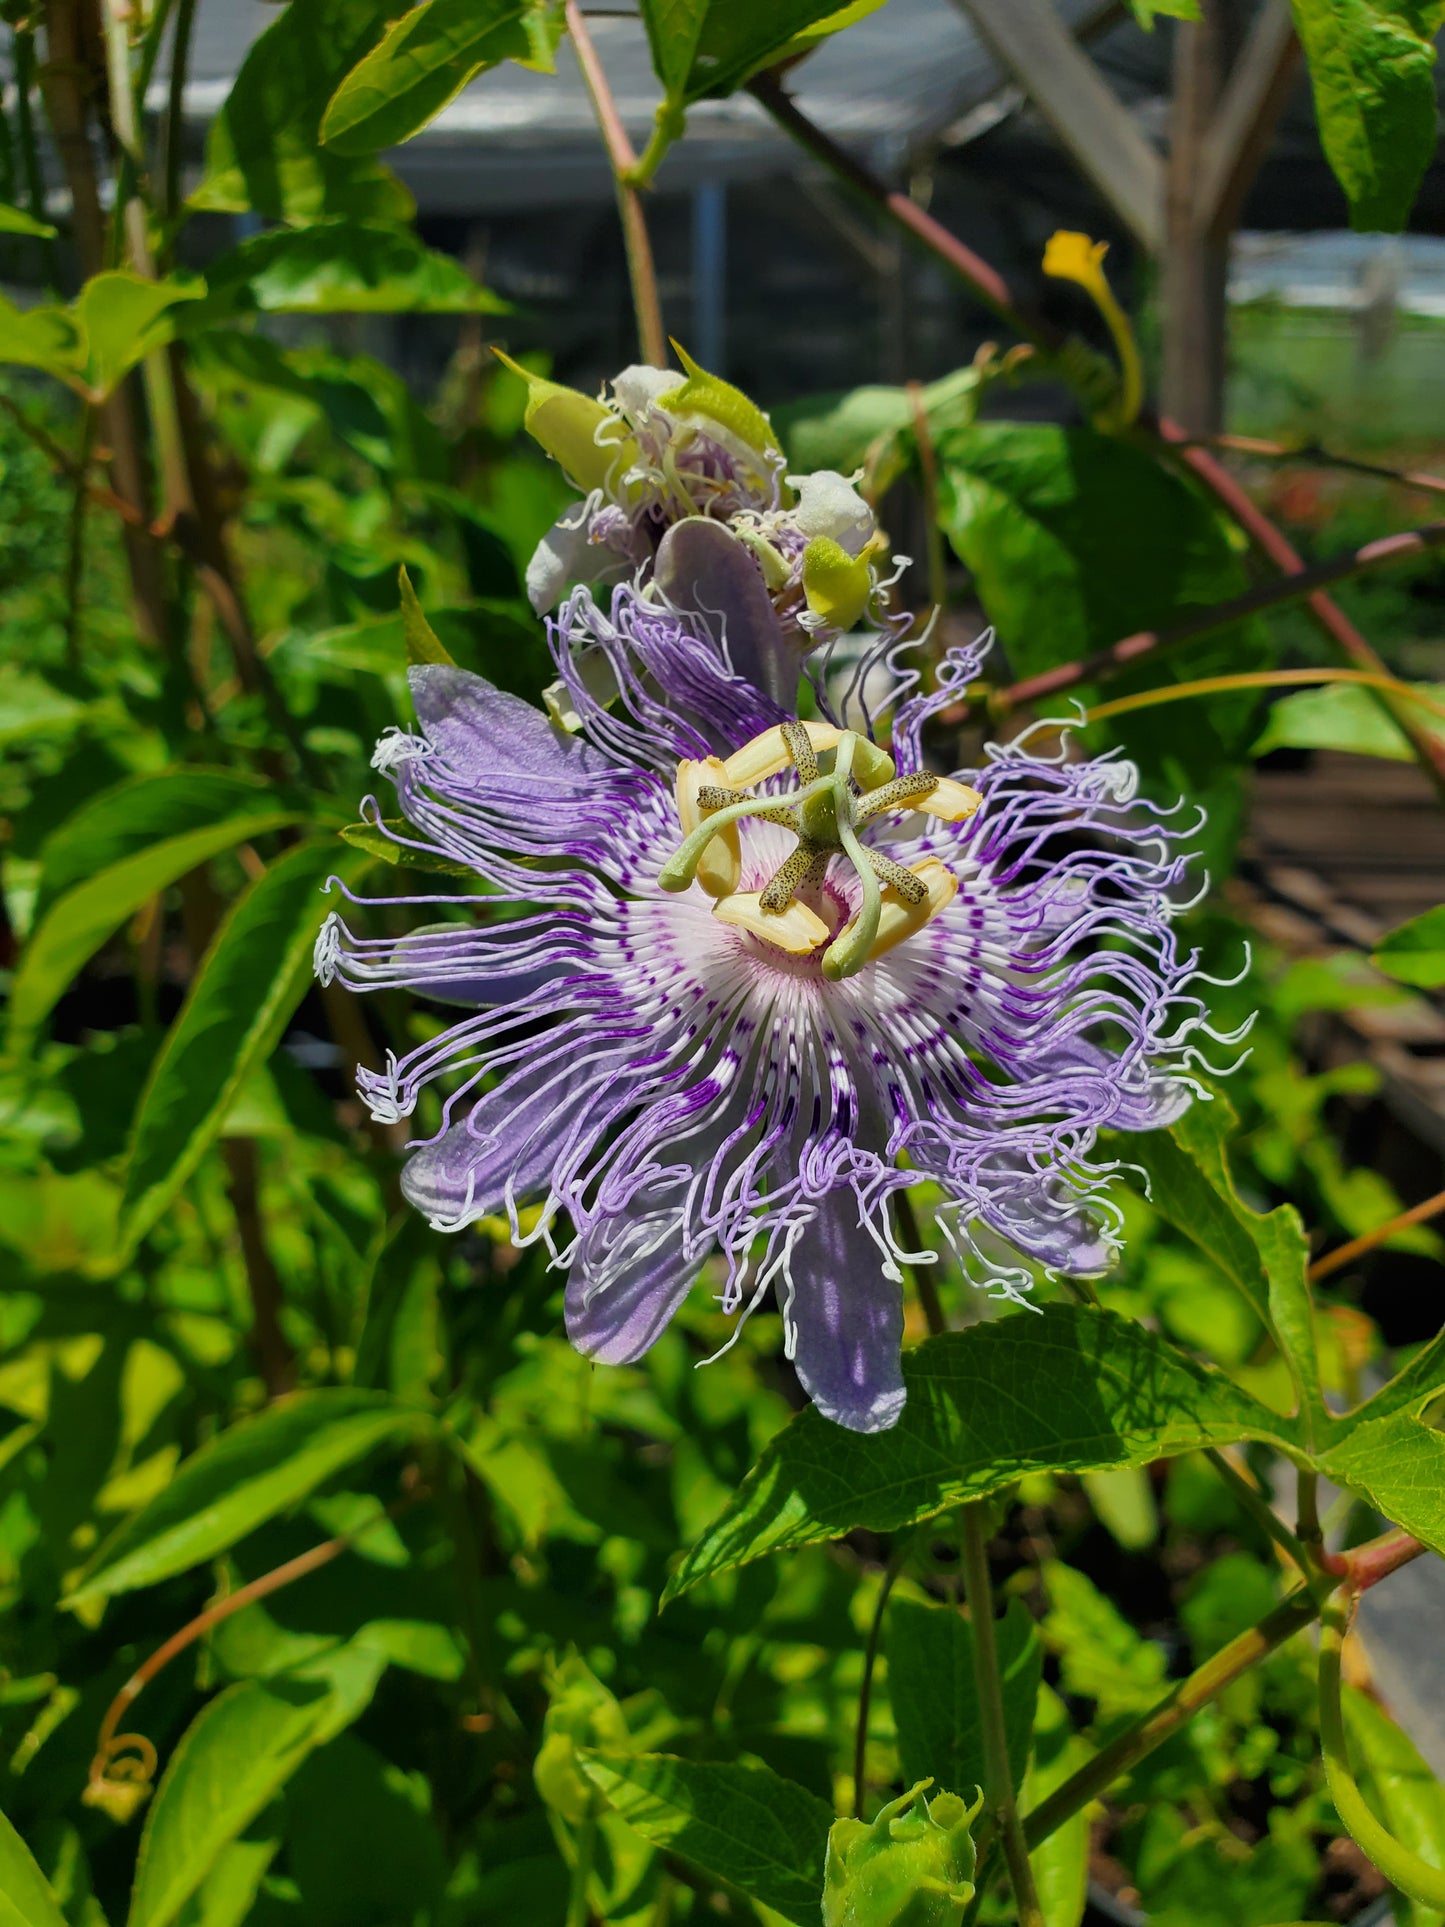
pixel 251 979
pixel 342 267
pixel 245 1476
pixel 1065 1389
pixel 90 912
pixel 14 220
pixel 426 58
pixel 1407 1795
pixel 263 149
pixel 1414 952
pixel 707 48
pixel 743 1824
pixel 1372 67
pixel 1345 716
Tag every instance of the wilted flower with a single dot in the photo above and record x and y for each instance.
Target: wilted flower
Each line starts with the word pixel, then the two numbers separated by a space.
pixel 752 966
pixel 685 496
pixel 911 1866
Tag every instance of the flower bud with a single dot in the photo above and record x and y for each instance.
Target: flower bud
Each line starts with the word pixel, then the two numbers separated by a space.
pixel 912 1867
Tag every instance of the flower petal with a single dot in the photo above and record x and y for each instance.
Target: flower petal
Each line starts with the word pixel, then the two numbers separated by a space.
pixel 846 1320
pixel 630 1275
pixel 704 570
pixel 509 1145
pixel 490 740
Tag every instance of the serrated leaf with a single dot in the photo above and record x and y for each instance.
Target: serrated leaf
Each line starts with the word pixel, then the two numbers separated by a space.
pixel 424 61
pixel 25 1896
pixel 90 912
pixel 1372 68
pixel 250 981
pixel 1344 716
pixel 1064 1389
pixel 423 644
pixel 341 267
pixel 263 149
pixel 1264 1255
pixel 935 1702
pixel 1414 952
pixel 234 1757
pixel 742 1824
pixel 245 1476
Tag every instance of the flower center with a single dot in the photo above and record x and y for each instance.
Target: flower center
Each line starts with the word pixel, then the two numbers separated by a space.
pixel 844 782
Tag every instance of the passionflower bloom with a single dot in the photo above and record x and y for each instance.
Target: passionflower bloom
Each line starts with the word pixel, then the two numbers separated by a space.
pixel 737 983
pixel 685 495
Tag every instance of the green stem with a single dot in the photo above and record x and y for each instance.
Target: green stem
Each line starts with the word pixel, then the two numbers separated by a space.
pixel 667 128
pixel 870 1657
pixel 578 1911
pixel 23 54
pixel 998 1779
pixel 173 127
pixel 75 551
pixel 1262 1512
pixel 1402 1868
pixel 1293 1613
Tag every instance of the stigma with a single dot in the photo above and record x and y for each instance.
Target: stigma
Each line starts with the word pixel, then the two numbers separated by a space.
pixel 844 781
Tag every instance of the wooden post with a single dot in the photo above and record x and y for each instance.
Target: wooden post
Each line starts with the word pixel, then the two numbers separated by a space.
pixel 1196 253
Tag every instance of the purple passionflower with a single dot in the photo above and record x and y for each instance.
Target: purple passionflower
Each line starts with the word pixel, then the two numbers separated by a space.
pixel 752 978
pixel 685 495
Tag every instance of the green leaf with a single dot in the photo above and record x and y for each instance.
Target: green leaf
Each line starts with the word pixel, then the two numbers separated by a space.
pixel 1064 1389
pixel 89 913
pixel 373 838
pixel 227 1894
pixel 1372 68
pixel 1388 1455
pixel 250 981
pixel 243 1477
pixel 743 1824
pixel 1101 1656
pixel 934 1699
pixel 234 1757
pixel 122 317
pixel 1076 540
pixel 1145 12
pixel 124 820
pixel 425 60
pixel 341 267
pixel 263 150
pixel 1060 1863
pixel 422 641
pixel 703 49
pixel 1414 952
pixel 1344 716
pixel 30 706
pixel 1265 1256
pixel 14 220
pixel 1407 1795
pixel 25 1896
pixel 46 338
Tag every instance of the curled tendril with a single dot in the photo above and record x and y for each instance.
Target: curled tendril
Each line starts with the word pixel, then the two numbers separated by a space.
pixel 124 1759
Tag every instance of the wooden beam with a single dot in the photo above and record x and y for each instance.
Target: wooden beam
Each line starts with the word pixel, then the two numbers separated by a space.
pixel 1033 44
pixel 1246 117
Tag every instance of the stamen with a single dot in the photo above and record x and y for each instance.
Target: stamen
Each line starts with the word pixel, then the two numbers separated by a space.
pixel 893 876
pixel 788 878
pixel 801 751
pixel 797 929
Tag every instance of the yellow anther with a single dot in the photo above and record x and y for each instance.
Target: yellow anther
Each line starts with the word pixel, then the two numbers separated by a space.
pixel 765 755
pixel 899 920
pixel 953 802
pixel 720 865
pixel 798 930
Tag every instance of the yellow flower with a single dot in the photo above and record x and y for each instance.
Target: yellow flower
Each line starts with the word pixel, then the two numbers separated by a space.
pixel 1074 257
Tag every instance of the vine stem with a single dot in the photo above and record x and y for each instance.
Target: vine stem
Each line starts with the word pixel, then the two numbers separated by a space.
pixel 623 161
pixel 1400 1866
pixel 1334 1261
pixel 998 1779
pixel 1263 679
pixel 1356 1571
pixel 1318 457
pixel 1218 615
pixel 991 288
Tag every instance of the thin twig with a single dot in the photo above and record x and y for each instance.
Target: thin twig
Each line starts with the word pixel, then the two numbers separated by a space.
pixel 1218 615
pixel 173 126
pixel 1261 1511
pixel 75 548
pixel 1334 1261
pixel 622 158
pixel 1314 456
pixel 928 470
